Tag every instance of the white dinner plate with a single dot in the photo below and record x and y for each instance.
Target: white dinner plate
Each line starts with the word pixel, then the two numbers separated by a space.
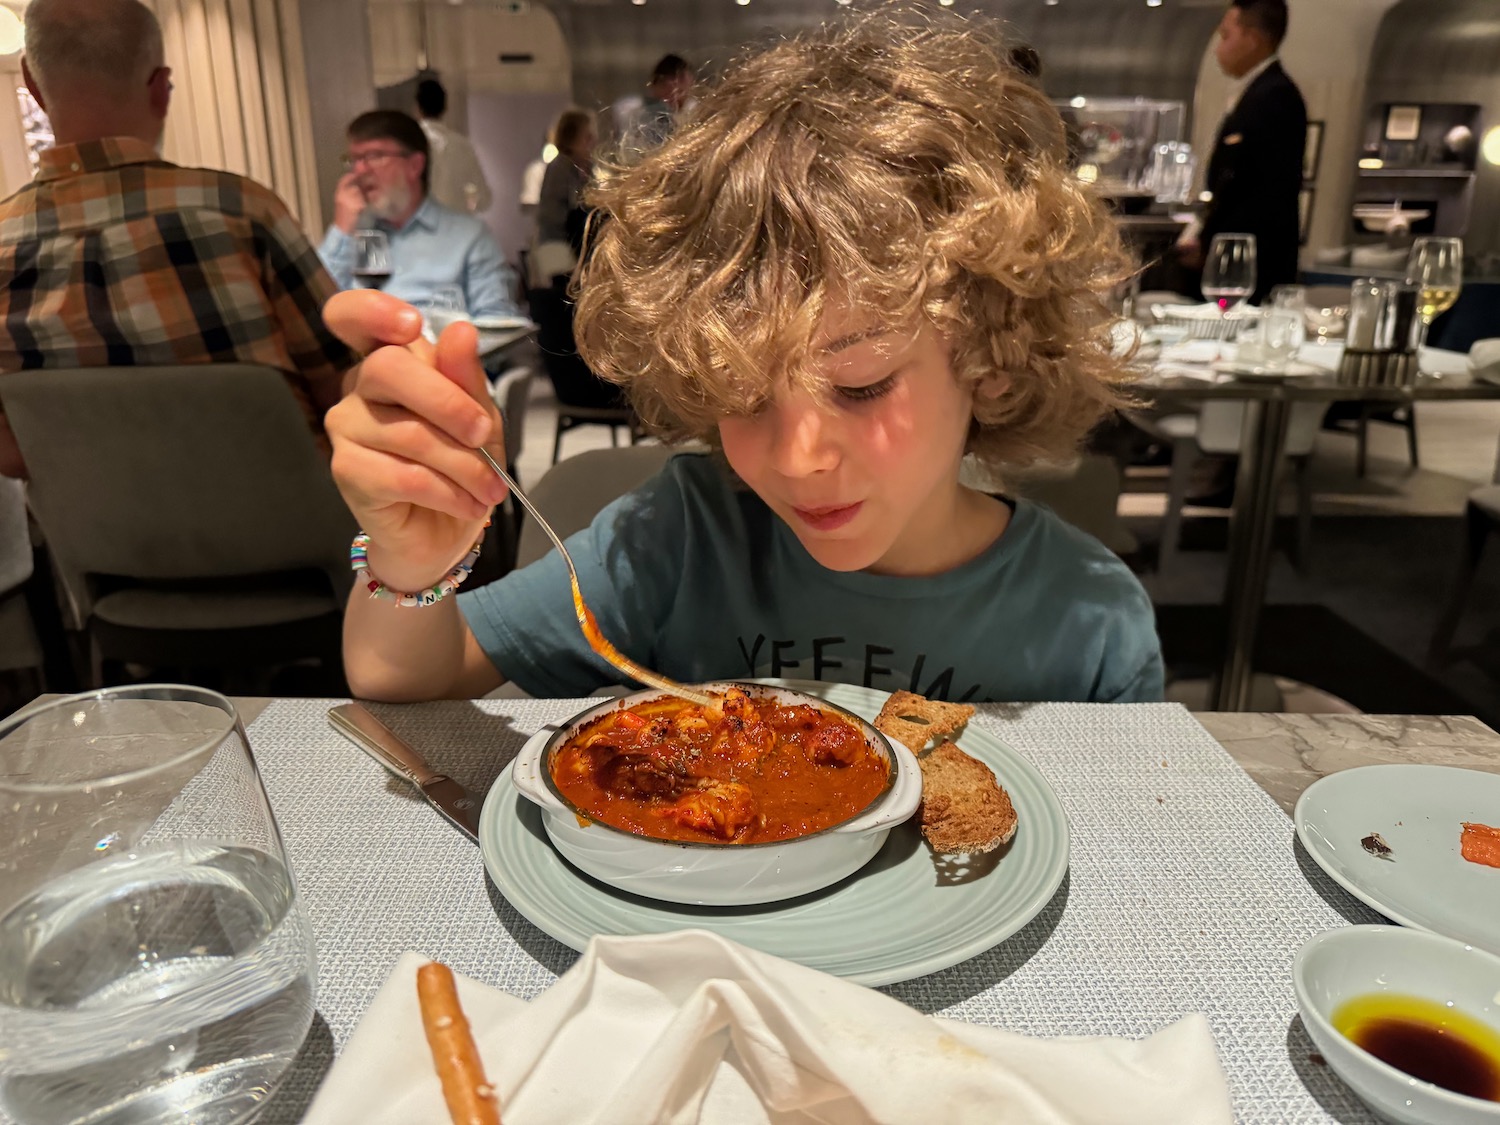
pixel 1296 369
pixel 501 323
pixel 1419 812
pixel 898 917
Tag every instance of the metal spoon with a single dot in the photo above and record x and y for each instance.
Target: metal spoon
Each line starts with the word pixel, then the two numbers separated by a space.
pixel 597 640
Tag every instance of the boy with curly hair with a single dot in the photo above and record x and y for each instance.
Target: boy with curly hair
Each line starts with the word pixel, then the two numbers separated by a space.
pixel 862 259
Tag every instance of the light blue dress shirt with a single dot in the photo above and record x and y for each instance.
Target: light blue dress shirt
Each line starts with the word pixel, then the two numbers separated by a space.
pixel 436 249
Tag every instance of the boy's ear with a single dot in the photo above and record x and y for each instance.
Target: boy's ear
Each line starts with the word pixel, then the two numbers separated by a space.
pixel 992 386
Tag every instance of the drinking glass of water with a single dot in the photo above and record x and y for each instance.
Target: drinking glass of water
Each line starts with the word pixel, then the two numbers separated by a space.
pixel 154 962
pixel 372 259
pixel 1229 270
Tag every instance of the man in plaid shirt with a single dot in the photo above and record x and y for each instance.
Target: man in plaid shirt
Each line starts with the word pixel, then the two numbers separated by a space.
pixel 114 257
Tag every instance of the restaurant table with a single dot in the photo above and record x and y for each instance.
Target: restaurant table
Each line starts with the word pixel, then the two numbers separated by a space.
pixel 1186 889
pixel 1258 480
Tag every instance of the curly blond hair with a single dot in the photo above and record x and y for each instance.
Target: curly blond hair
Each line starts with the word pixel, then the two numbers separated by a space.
pixel 892 165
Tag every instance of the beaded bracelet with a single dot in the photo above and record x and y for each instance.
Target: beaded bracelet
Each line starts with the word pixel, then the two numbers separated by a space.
pixel 359 560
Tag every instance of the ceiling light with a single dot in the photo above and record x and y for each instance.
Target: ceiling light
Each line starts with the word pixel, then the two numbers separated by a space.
pixel 638 3
pixel 946 3
pixel 1153 3
pixel 1051 3
pixel 1079 102
pixel 12 32
pixel 1489 148
pixel 742 3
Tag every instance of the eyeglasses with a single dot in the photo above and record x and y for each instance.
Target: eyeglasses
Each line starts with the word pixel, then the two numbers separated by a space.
pixel 351 162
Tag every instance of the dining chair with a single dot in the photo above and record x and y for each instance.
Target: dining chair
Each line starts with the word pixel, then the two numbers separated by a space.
pixel 1481 518
pixel 190 515
pixel 583 399
pixel 20 647
pixel 1215 431
pixel 573 492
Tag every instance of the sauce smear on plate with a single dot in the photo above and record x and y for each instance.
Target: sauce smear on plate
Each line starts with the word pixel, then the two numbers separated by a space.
pixel 1481 844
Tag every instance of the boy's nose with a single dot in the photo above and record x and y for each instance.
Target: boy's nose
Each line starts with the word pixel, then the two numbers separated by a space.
pixel 803 442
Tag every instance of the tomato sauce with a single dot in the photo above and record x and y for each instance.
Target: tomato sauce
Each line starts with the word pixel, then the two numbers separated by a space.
pixel 744 771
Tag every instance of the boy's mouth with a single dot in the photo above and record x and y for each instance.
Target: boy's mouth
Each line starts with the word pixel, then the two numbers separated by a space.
pixel 828 519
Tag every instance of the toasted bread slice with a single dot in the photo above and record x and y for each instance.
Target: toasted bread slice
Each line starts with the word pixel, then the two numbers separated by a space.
pixel 914 720
pixel 964 809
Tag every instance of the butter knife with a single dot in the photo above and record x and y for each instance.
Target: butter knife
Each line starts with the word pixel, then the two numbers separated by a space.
pixel 392 751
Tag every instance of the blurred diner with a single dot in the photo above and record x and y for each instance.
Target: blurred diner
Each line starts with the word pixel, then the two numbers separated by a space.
pixel 458 181
pixel 429 253
pixel 114 257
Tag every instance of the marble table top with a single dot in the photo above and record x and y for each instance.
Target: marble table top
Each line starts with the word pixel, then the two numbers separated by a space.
pixel 1287 753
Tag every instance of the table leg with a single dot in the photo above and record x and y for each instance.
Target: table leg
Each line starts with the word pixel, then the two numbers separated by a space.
pixel 1251 525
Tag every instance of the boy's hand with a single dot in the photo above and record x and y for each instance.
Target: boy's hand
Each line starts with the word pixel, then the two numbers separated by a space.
pixel 405 438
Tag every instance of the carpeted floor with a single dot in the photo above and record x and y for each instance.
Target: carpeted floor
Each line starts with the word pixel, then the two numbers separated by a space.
pixel 1356 625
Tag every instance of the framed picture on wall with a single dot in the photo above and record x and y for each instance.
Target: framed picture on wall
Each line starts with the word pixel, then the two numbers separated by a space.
pixel 1312 151
pixel 1403 122
pixel 1304 214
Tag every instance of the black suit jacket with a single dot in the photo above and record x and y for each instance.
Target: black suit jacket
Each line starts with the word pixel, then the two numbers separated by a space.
pixel 1255 175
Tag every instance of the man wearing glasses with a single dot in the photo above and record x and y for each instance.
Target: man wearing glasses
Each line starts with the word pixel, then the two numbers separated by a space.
pixel 436 255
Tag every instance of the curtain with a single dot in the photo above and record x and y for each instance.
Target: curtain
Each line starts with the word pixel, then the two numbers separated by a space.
pixel 240 102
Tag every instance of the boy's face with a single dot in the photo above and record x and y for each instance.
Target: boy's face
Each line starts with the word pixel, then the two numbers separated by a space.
pixel 867 477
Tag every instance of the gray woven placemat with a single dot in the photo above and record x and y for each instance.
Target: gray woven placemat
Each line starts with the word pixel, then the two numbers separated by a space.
pixel 1185 892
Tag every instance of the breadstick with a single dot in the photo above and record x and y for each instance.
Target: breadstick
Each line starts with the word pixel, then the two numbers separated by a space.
pixel 471 1099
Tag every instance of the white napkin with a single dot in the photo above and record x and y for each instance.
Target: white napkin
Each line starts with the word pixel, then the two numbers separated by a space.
pixel 690 1027
pixel 1484 360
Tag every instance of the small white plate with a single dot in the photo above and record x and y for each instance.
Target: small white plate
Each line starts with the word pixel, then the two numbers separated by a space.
pixel 501 323
pixel 1353 961
pixel 1293 370
pixel 1419 812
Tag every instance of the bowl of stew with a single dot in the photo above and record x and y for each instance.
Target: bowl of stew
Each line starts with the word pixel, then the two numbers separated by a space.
pixel 770 794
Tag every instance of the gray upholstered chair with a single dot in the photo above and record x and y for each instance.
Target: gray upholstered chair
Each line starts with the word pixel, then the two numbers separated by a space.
pixel 573 492
pixel 20 648
pixel 189 513
pixel 1481 518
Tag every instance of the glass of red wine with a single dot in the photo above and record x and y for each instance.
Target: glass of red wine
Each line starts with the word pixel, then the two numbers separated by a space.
pixel 1229 270
pixel 372 259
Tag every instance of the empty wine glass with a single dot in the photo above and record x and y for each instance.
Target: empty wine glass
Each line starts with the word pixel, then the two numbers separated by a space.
pixel 1229 270
pixel 1435 269
pixel 372 258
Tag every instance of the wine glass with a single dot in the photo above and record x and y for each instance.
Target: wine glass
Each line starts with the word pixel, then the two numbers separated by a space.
pixel 1435 269
pixel 155 959
pixel 372 258
pixel 1229 270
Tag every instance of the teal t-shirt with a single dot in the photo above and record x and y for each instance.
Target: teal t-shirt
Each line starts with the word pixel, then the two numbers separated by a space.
pixel 697 579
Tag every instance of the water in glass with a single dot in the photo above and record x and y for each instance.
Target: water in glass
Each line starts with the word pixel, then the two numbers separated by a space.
pixel 155 965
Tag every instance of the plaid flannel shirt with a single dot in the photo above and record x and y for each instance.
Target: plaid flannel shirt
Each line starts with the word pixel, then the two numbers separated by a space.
pixel 115 257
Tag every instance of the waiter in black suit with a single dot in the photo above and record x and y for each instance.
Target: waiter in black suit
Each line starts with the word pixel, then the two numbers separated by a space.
pixel 1255 174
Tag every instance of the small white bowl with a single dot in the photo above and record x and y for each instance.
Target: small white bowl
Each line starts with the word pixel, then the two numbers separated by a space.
pixel 1358 960
pixel 716 874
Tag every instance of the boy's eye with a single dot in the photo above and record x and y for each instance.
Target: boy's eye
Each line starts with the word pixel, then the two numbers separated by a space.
pixel 870 392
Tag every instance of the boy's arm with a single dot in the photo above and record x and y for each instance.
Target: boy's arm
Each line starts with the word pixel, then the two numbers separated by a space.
pixel 402 655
